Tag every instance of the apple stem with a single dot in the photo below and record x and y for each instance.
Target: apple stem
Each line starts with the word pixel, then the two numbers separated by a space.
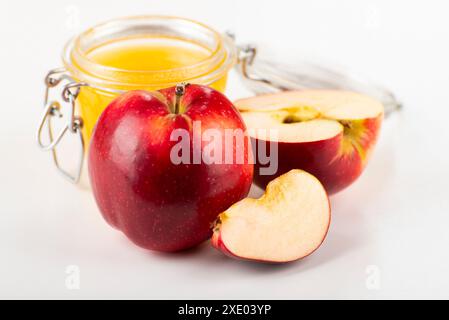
pixel 180 90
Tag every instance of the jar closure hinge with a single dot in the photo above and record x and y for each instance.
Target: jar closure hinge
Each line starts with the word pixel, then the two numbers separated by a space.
pixel 73 124
pixel 246 56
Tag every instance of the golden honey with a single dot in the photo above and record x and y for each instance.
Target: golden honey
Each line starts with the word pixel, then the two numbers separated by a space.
pixel 147 52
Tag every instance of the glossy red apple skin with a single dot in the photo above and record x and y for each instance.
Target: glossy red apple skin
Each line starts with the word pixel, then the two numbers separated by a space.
pixel 217 243
pixel 336 167
pixel 157 204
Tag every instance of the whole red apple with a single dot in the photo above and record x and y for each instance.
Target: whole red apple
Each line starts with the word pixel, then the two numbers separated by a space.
pixel 161 196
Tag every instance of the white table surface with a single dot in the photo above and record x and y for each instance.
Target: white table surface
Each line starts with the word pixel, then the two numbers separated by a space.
pixel 389 235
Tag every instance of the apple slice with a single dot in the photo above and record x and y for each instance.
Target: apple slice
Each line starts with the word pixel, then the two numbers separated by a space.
pixel 289 222
pixel 329 133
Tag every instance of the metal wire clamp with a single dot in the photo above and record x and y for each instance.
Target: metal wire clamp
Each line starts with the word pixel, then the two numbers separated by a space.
pixel 52 108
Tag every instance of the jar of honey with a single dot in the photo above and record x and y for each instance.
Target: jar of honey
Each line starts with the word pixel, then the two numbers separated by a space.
pixel 144 52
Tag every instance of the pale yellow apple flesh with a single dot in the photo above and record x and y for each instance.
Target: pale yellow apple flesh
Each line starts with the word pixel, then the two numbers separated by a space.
pixel 309 115
pixel 287 223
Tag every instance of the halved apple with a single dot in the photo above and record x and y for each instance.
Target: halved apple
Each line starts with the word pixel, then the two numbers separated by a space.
pixel 329 133
pixel 289 222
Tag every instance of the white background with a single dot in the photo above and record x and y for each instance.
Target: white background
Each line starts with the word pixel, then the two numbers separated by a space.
pixel 390 227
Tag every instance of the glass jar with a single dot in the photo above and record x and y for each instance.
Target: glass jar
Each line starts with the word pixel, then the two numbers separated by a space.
pixel 134 53
pixel 208 57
